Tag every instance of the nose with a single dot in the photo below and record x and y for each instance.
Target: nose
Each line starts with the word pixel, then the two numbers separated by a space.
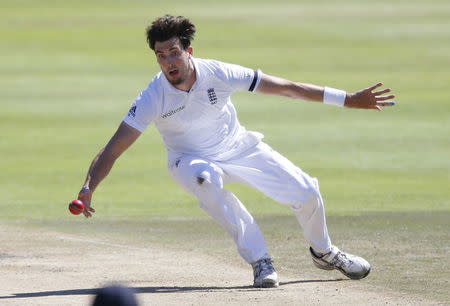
pixel 170 60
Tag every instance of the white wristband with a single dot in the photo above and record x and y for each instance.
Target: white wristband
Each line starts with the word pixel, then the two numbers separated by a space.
pixel 334 96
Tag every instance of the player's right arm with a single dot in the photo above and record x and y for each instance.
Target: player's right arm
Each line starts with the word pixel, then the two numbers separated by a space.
pixel 124 137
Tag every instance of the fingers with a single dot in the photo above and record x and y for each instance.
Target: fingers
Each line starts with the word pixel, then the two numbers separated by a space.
pixel 85 195
pixel 390 103
pixel 87 207
pixel 379 97
pixel 370 98
pixel 87 214
pixel 375 107
pixel 87 211
pixel 375 86
pixel 382 92
pixel 384 98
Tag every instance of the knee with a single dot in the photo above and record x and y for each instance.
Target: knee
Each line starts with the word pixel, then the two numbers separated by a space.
pixel 203 182
pixel 313 191
pixel 208 176
pixel 209 191
pixel 208 187
pixel 195 174
pixel 309 196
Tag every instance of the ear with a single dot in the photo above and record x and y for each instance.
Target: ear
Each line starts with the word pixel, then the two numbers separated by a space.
pixel 190 50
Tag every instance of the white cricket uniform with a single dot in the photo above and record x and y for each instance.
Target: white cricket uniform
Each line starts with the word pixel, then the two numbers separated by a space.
pixel 207 148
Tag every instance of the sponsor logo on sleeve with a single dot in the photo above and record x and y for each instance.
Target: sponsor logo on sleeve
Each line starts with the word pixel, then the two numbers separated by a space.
pixel 132 111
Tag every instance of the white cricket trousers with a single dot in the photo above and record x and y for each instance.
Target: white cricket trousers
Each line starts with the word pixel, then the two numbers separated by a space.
pixel 263 169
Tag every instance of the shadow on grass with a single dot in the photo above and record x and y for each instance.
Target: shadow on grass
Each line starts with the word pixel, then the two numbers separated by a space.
pixel 162 289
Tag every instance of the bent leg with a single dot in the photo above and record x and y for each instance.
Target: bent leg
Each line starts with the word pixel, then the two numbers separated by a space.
pixel 204 179
pixel 279 179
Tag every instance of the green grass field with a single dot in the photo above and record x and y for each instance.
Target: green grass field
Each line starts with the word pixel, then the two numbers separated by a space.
pixel 71 69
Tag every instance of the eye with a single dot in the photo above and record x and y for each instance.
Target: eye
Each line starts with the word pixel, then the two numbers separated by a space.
pixel 160 56
pixel 175 53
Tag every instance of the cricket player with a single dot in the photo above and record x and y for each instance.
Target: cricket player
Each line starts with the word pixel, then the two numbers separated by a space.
pixel 189 103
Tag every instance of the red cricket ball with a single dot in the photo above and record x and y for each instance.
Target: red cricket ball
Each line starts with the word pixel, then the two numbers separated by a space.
pixel 76 207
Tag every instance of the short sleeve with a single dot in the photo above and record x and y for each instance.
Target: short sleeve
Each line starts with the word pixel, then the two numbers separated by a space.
pixel 240 78
pixel 143 111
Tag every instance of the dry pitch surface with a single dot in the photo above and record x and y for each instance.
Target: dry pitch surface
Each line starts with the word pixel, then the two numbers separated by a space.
pixel 44 267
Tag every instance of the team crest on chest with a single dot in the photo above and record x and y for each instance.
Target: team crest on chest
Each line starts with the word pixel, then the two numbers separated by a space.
pixel 212 96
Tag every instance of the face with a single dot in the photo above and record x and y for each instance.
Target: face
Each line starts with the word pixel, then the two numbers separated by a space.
pixel 174 61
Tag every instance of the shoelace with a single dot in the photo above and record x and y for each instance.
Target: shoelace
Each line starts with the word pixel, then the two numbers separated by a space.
pixel 341 260
pixel 263 265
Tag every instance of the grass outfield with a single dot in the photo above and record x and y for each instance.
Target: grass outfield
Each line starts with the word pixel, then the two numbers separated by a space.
pixel 71 69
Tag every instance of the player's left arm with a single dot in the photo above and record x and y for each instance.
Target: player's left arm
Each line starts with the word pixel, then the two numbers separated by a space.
pixel 366 98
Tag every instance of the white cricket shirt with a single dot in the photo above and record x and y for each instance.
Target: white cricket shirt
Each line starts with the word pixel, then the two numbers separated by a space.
pixel 202 122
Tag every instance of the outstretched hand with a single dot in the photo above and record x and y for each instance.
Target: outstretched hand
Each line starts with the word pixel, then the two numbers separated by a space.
pixel 85 196
pixel 369 99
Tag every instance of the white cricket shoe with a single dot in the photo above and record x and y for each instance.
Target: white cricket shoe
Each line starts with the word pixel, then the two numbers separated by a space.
pixel 352 266
pixel 264 274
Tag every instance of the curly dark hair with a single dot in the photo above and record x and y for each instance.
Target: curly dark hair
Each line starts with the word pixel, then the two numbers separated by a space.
pixel 167 27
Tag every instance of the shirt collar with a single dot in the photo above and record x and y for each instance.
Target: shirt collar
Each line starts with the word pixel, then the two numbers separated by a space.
pixel 172 89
